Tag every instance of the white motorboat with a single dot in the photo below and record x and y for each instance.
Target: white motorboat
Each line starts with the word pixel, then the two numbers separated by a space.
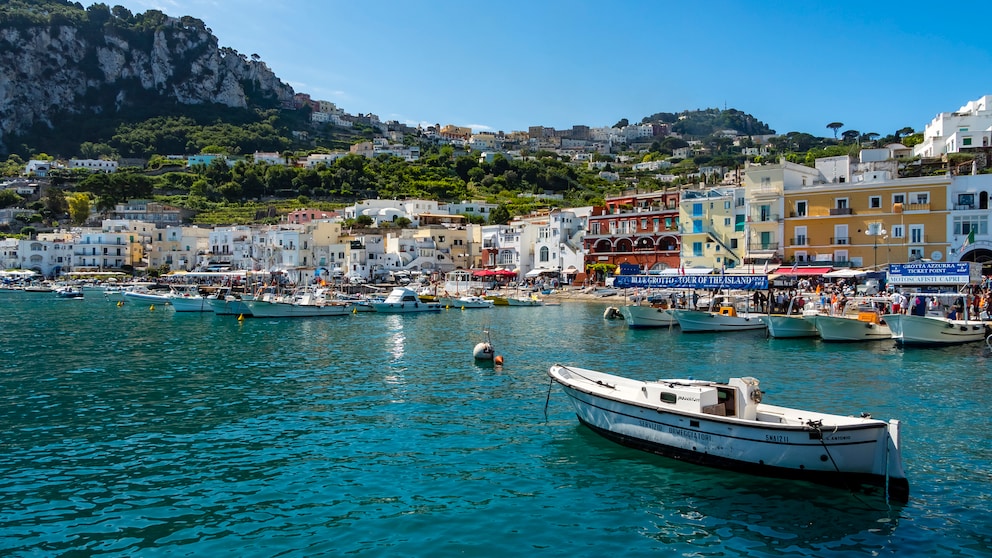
pixel 144 294
pixel 643 315
pixel 68 291
pixel 727 425
pixel 524 301
pixel 402 300
pixel 305 304
pixel 727 313
pixel 860 320
pixel 187 298
pixel 465 302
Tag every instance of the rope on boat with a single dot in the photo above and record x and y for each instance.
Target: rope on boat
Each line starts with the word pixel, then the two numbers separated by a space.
pixel 817 426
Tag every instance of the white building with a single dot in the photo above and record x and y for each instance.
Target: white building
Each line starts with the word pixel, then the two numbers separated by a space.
pixel 950 132
pixel 95 165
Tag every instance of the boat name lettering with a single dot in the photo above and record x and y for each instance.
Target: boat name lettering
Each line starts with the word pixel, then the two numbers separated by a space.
pixel 838 437
pixel 776 438
pixel 687 398
pixel 688 434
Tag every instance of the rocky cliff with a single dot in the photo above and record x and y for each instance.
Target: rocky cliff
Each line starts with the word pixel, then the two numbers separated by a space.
pixel 60 66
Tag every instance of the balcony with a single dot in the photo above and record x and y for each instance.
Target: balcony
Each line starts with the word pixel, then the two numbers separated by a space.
pixel 799 241
pixel 922 207
pixel 764 246
pixel 763 218
pixel 840 240
pixel 841 211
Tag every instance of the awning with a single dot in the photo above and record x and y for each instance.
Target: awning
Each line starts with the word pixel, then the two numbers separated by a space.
pixel 802 270
pixel 846 273
pixel 538 271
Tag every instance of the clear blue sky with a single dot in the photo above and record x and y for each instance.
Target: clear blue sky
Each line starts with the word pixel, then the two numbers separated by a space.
pixel 796 66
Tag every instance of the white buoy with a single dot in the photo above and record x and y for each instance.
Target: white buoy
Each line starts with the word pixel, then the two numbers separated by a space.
pixel 483 351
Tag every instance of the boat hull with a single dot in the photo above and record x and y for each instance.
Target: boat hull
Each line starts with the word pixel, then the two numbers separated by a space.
pixel 789 327
pixel 855 455
pixel 698 321
pixel 182 303
pixel 229 307
pixel 264 309
pixel 850 330
pixel 638 316
pixel 146 297
pixel 908 329
pixel 406 307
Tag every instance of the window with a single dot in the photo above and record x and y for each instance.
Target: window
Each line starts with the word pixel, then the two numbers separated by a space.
pixel 544 253
pixel 726 205
pixel 898 231
pixel 668 223
pixel 840 235
pixel 915 254
pixel 800 239
pixel 697 249
pixel 966 224
pixel 801 208
pixel 801 257
pixel 966 199
pixel 965 141
pixel 733 243
pixel 840 203
pixel 921 197
pixel 726 221
pixel 875 202
pixel 697 209
pixel 840 256
pixel 916 234
pixel 697 225
pixel 898 198
pixel 644 223
pixel 595 228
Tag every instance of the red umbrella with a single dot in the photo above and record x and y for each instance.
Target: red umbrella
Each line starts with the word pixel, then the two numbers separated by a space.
pixel 483 273
pixel 505 273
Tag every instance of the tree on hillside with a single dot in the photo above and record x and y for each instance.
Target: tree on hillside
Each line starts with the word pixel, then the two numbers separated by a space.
pixel 835 126
pixel 79 207
pixel 850 136
pixel 623 123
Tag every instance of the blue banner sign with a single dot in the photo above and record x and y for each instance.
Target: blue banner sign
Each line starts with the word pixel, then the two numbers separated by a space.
pixel 746 282
pixel 935 273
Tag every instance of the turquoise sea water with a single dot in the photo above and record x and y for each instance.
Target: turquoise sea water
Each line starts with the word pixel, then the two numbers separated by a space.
pixel 132 432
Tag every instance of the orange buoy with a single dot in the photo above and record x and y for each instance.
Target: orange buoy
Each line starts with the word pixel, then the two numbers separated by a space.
pixel 498 360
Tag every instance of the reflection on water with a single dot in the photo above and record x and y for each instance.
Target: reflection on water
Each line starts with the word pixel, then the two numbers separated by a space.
pixel 136 432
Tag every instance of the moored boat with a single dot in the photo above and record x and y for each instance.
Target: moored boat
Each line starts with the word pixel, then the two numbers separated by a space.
pixel 465 302
pixel 939 313
pixel 642 315
pixel 402 300
pixel 726 425
pixel 860 320
pixel 727 314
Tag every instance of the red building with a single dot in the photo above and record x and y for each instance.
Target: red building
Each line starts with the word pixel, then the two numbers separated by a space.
pixel 637 228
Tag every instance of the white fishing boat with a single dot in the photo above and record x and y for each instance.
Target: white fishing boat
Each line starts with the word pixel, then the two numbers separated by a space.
pixel 187 298
pixel 521 300
pixel 793 323
pixel 226 303
pixel 68 291
pixel 859 320
pixel 727 313
pixel 308 303
pixel 726 425
pixel 648 315
pixel 939 313
pixel 465 302
pixel 403 300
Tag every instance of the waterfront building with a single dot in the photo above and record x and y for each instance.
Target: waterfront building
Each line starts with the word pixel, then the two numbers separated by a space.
pixel 871 221
pixel 712 228
pixel 764 206
pixel 968 226
pixel 636 228
pixel 177 248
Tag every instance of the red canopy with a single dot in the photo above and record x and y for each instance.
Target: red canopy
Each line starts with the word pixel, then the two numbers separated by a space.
pixel 802 270
pixel 483 273
pixel 505 273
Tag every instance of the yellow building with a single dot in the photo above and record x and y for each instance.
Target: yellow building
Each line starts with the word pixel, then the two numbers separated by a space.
pixel 712 228
pixel 869 222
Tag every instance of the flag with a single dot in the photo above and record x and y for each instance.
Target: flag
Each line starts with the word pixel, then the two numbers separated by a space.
pixel 970 240
pixel 795 265
pixel 681 269
pixel 765 269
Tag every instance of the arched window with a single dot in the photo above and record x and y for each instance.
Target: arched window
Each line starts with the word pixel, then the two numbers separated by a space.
pixel 544 254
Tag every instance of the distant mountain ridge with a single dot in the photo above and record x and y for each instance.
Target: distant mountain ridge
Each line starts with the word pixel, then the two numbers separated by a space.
pixel 57 58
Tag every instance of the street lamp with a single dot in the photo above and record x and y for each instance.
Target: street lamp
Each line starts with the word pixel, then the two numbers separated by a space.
pixel 875 230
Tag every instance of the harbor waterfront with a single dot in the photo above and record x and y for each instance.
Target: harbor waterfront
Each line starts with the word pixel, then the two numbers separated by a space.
pixel 132 431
